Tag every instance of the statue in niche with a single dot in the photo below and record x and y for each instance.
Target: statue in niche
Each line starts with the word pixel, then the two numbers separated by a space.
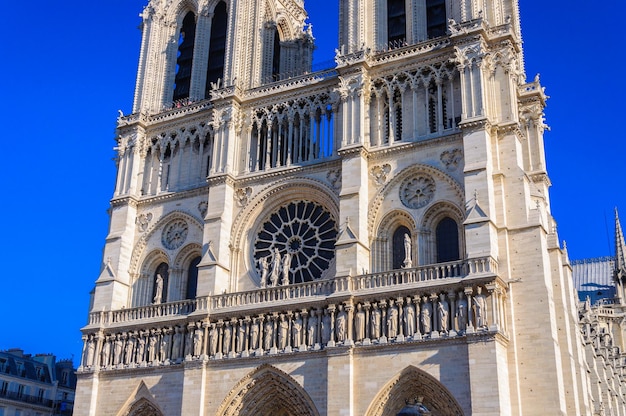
pixel 128 350
pixel 275 274
pixel 164 350
pixel 141 349
pixel 480 304
pixel 409 318
pixel 407 252
pixel 392 321
pixel 325 328
pixel 359 323
pixel 264 266
pixel 254 334
pixel 152 347
pixel 91 349
pixel 286 265
pixel 268 333
pixel 117 350
pixel 427 310
pixel 442 309
pixel 296 330
pixel 198 337
pixel 227 335
pixel 158 293
pixel 340 324
pixel 375 321
pixel 178 342
pixel 312 330
pixel 241 336
pixel 213 338
pixel 283 331
pixel 106 351
pixel 461 313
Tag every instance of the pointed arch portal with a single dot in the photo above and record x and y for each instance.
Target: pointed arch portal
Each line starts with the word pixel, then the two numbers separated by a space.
pixel 409 384
pixel 267 391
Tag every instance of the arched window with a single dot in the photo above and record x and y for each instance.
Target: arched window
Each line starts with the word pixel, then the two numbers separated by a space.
pixel 192 278
pixel 398 247
pixel 160 280
pixel 435 18
pixel 276 57
pixel 185 57
pixel 447 235
pixel 396 22
pixel 217 48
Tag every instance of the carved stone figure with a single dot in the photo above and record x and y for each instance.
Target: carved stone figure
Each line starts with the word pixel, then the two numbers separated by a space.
pixel 392 321
pixel 106 352
pixel 91 349
pixel 340 324
pixel 213 335
pixel 152 347
pixel 312 330
pixel 268 334
pixel 283 331
pixel 375 321
pixel 178 343
pixel 286 266
pixel 164 349
pixel 461 313
pixel 128 350
pixel 325 328
pixel 158 292
pixel 296 331
pixel 425 317
pixel 198 337
pixel 117 350
pixel 227 336
pixel 409 318
pixel 275 268
pixel 407 252
pixel 442 309
pixel 254 334
pixel 480 304
pixel 241 336
pixel 264 265
pixel 359 323
pixel 141 349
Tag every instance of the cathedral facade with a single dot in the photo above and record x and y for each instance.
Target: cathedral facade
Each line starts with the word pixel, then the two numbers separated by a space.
pixel 290 241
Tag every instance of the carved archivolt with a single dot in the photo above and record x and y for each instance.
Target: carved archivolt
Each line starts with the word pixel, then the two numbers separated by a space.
pixel 268 391
pixel 141 403
pixel 409 384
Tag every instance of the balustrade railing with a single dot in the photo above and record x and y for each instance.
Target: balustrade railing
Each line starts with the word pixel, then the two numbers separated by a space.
pixel 308 290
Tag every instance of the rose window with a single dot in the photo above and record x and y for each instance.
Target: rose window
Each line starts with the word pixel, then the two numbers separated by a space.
pixel 417 191
pixel 304 230
pixel 175 234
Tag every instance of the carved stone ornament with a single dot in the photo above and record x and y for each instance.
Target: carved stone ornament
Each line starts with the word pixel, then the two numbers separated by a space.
pixel 143 220
pixel 417 191
pixel 175 234
pixel 242 196
pixel 451 158
pixel 203 207
pixel 379 173
pixel 334 177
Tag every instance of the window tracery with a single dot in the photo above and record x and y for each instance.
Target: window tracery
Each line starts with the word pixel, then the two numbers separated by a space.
pixel 184 60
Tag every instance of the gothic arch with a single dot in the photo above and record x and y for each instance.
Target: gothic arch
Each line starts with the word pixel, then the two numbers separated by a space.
pixel 180 273
pixel 177 12
pixel 409 384
pixel 381 244
pixel 432 217
pixel 141 403
pixel 267 391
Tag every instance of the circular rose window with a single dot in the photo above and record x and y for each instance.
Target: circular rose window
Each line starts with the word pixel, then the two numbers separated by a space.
pixel 303 231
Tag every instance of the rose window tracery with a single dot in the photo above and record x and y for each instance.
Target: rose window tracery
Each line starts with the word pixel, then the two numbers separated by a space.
pixel 417 191
pixel 304 230
pixel 175 234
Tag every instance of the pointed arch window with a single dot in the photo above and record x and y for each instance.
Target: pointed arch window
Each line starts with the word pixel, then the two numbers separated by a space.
pixel 396 22
pixel 398 246
pixel 435 18
pixel 276 56
pixel 447 236
pixel 192 278
pixel 217 48
pixel 184 61
pixel 159 291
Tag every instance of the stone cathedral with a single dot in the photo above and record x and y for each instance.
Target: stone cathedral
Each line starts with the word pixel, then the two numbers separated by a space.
pixel 373 238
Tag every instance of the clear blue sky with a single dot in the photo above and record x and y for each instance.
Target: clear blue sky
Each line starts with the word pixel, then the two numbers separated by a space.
pixel 69 66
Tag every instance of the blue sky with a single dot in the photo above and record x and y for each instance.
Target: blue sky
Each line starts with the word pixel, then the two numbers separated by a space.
pixel 69 66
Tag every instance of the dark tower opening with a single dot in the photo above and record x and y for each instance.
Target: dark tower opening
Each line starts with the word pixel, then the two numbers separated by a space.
pixel 182 82
pixel 217 48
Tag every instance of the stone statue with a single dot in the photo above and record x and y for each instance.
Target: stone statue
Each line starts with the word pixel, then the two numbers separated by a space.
pixel 461 313
pixel 128 350
pixel 117 350
pixel 426 314
pixel 442 309
pixel 312 330
pixel 163 351
pixel 296 330
pixel 392 321
pixel 409 318
pixel 375 321
pixel 340 324
pixel 178 343
pixel 141 349
pixel 480 303
pixel 227 335
pixel 407 252
pixel 268 333
pixel 283 331
pixel 286 266
pixel 106 352
pixel 152 347
pixel 91 349
pixel 198 337
pixel 264 265
pixel 213 338
pixel 158 292
pixel 241 336
pixel 359 323
pixel 325 328
pixel 254 334
pixel 275 268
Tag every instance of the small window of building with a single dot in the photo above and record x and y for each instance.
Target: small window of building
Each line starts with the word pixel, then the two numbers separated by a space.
pixel 192 278
pixel 396 22
pixel 447 235
pixel 398 247
pixel 184 60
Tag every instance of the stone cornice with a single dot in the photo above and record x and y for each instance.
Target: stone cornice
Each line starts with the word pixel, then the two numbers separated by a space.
pixel 475 124
pixel 255 178
pixel 382 153
pixel 352 151
pixel 146 201
pixel 129 200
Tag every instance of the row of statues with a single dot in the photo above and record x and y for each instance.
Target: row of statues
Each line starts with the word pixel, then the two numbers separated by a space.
pixel 273 267
pixel 390 320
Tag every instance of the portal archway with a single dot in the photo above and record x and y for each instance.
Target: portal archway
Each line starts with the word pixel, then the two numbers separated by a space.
pixel 268 391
